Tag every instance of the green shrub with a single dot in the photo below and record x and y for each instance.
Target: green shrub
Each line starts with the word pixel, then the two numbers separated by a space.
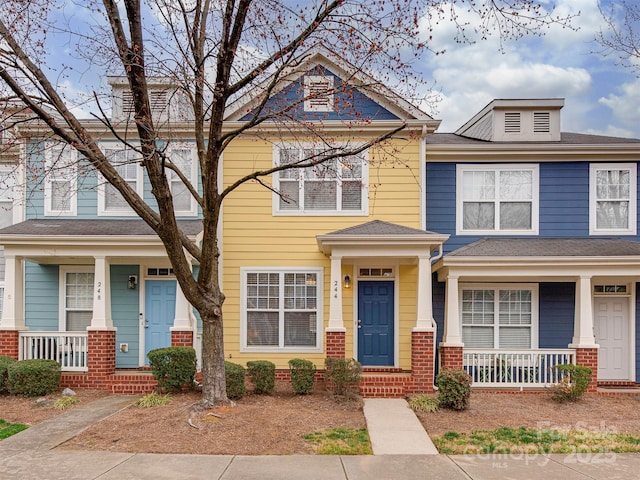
pixel 234 374
pixel 302 375
pixel 424 403
pixel 65 402
pixel 173 367
pixel 342 375
pixel 263 375
pixel 4 373
pixel 33 378
pixel 575 381
pixel 152 400
pixel 454 389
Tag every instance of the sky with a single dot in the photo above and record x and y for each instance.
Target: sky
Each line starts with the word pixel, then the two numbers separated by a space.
pixel 600 97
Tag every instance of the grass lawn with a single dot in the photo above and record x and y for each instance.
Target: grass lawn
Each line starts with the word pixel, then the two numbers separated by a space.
pixel 7 429
pixel 341 441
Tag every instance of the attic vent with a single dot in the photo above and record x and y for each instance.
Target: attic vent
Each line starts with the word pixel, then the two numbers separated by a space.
pixel 541 122
pixel 318 92
pixel 157 99
pixel 512 122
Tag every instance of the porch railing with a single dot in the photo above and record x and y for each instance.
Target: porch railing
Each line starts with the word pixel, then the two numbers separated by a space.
pixel 515 368
pixel 69 349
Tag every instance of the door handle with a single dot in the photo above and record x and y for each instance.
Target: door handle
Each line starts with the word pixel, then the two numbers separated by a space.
pixel 359 323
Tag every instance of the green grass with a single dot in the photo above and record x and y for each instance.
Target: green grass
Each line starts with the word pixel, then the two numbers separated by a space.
pixel 65 402
pixel 528 440
pixel 341 441
pixel 152 400
pixel 7 429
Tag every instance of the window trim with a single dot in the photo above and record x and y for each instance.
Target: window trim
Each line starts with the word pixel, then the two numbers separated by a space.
pixel 318 348
pixel 192 176
pixel 633 192
pixel 497 167
pixel 11 171
pixel 71 177
pixel 364 197
pixel 496 287
pixel 62 290
pixel 125 211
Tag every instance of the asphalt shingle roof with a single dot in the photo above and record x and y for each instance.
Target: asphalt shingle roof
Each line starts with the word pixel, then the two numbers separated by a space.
pixel 566 138
pixel 100 227
pixel 378 227
pixel 548 247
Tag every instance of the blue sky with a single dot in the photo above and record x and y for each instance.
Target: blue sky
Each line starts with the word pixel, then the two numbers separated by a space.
pixel 600 97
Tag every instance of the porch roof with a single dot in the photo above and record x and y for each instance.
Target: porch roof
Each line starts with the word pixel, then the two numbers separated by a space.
pixel 548 247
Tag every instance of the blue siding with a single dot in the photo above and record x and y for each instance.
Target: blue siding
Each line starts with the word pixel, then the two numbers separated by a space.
pixel 125 311
pixel 556 315
pixel 41 296
pixel 351 104
pixel 438 307
pixel 637 332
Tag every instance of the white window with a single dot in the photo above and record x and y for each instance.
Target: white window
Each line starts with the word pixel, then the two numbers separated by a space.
pixel 281 309
pixel 76 299
pixel 612 199
pixel 499 317
pixel 127 163
pixel 336 186
pixel 60 181
pixel 8 192
pixel 183 158
pixel 318 93
pixel 497 199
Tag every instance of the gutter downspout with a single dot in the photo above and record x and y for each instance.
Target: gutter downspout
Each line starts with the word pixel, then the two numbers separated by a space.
pixel 423 180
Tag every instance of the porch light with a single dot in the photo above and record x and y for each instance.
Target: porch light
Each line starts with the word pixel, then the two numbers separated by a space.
pixel 132 282
pixel 347 281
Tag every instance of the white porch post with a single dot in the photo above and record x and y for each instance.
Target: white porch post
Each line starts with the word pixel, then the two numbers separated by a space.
pixel 13 300
pixel 424 320
pixel 452 336
pixel 182 321
pixel 583 322
pixel 335 302
pixel 101 319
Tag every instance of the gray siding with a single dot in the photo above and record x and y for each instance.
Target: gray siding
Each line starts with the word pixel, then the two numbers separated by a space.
pixel 41 296
pixel 125 310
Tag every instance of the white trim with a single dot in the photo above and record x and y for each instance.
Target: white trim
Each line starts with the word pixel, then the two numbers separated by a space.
pixel 125 211
pixel 364 192
pixel 62 287
pixel 535 318
pixel 320 291
pixel 633 185
pixel 58 169
pixel 497 167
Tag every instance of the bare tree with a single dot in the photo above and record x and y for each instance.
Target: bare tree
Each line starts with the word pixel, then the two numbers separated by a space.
pixel 621 37
pixel 211 53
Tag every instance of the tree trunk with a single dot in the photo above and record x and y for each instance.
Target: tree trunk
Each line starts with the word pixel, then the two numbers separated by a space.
pixel 214 385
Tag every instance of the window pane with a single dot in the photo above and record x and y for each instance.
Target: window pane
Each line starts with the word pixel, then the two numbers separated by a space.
pixel 478 216
pixel 289 195
pixel 299 329
pixel 612 215
pixel 516 185
pixel 183 160
pixel 262 329
pixel 515 337
pixel 320 195
pixel 477 337
pixel 6 214
pixel 478 307
pixel 515 216
pixel 351 168
pixel 61 195
pixel 478 185
pixel 78 320
pixel 351 195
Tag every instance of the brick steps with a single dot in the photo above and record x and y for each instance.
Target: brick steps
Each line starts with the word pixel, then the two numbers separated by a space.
pixel 385 385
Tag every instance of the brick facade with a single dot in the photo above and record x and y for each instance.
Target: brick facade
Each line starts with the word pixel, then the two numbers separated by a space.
pixel 588 357
pixel 451 357
pixel 181 338
pixel 422 361
pixel 101 360
pixel 9 340
pixel 335 344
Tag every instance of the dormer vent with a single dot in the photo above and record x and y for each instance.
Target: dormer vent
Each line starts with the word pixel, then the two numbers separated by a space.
pixel 541 122
pixel 512 122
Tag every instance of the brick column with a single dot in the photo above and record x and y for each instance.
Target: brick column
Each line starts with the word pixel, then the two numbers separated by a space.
pixel 588 357
pixel 101 359
pixel 182 338
pixel 9 340
pixel 336 343
pixel 451 357
pixel 422 360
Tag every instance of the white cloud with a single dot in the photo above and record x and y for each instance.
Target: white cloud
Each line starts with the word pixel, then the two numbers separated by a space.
pixel 624 106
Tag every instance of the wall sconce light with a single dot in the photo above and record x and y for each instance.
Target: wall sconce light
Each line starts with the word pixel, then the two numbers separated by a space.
pixel 347 281
pixel 132 282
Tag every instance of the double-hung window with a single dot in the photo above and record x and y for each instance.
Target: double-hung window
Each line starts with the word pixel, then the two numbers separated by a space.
pixel 60 182
pixel 494 199
pixel 183 158
pixel 126 161
pixel 612 199
pixel 281 309
pixel 334 186
pixel 499 317
pixel 7 195
pixel 76 299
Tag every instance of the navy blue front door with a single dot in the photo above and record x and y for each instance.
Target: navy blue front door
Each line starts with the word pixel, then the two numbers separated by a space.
pixel 160 311
pixel 375 323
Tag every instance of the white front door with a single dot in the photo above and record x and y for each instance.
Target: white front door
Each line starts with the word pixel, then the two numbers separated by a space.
pixel 611 327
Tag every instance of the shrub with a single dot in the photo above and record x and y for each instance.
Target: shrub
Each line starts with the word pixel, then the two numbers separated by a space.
pixel 33 378
pixel 263 375
pixel 574 384
pixel 4 373
pixel 424 403
pixel 302 375
pixel 454 389
pixel 152 400
pixel 342 375
pixel 173 367
pixel 65 402
pixel 234 374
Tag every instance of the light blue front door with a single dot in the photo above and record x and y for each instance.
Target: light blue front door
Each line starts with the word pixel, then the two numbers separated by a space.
pixel 160 310
pixel 375 323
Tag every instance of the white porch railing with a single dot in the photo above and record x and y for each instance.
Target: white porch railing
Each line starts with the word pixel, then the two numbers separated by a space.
pixel 515 368
pixel 69 349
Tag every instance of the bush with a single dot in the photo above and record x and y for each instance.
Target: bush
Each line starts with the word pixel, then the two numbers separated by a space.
pixel 234 374
pixel 454 389
pixel 302 375
pixel 173 367
pixel 342 375
pixel 263 375
pixel 4 373
pixel 574 384
pixel 424 403
pixel 33 378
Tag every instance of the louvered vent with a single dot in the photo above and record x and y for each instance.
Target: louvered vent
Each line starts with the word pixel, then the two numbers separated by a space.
pixel 541 122
pixel 512 122
pixel 157 99
pixel 318 93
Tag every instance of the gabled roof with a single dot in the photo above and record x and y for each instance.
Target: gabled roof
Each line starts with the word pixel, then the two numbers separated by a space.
pixel 342 69
pixel 377 227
